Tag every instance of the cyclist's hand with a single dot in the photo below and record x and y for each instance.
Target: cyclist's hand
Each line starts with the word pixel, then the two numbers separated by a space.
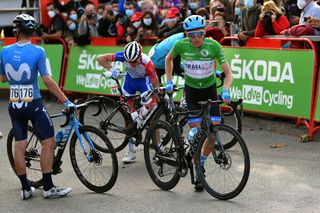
pixel 225 95
pixel 115 73
pixel 69 104
pixel 169 86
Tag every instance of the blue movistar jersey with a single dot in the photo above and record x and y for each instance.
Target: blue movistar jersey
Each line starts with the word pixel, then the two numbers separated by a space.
pixel 159 52
pixel 21 64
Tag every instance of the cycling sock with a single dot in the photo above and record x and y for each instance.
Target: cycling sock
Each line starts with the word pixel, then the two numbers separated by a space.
pixel 132 147
pixel 202 160
pixel 24 182
pixel 47 181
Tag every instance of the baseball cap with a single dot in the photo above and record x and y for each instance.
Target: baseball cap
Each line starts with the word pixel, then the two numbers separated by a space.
pixel 136 16
pixel 172 12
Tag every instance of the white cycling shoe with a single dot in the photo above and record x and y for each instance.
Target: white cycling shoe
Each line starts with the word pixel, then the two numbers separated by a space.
pixel 25 194
pixel 129 157
pixel 56 191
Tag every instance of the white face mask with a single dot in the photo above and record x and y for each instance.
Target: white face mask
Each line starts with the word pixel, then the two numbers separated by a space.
pixel 140 3
pixel 147 21
pixel 51 13
pixel 301 4
pixel 136 24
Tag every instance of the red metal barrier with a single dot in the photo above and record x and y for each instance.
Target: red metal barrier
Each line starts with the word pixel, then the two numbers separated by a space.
pixel 276 42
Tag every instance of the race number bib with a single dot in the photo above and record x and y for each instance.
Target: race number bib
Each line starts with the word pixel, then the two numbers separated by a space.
pixel 21 93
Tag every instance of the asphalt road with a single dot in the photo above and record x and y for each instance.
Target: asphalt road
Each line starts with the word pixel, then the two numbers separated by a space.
pixel 285 179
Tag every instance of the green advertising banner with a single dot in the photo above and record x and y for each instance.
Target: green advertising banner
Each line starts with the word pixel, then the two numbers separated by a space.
pixel 317 114
pixel 272 81
pixel 84 73
pixel 54 62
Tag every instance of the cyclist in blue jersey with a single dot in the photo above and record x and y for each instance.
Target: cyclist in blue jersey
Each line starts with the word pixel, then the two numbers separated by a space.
pixel 199 55
pixel 159 52
pixel 141 77
pixel 20 65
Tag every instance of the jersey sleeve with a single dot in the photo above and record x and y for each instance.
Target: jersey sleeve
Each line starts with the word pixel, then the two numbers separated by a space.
pixel 150 70
pixel 220 54
pixel 176 49
pixel 118 57
pixel 42 66
pixel 2 72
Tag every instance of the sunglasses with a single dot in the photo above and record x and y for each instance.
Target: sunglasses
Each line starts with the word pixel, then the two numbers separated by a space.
pixel 196 34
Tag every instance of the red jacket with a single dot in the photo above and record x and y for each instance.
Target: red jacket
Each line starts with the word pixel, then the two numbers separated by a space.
pixel 278 25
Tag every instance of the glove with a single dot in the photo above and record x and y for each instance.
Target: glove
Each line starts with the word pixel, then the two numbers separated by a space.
pixel 225 95
pixel 169 86
pixel 69 104
pixel 218 73
pixel 115 73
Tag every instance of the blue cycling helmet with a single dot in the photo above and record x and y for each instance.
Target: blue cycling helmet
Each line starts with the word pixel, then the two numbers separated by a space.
pixel 193 22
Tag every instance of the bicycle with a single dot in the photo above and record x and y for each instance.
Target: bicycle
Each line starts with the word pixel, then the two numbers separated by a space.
pixel 91 154
pixel 168 162
pixel 114 117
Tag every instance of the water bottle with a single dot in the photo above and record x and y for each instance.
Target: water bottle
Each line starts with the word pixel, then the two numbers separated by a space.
pixel 191 139
pixel 59 136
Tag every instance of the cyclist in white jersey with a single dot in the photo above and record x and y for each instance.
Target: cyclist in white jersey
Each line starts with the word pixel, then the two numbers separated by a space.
pixel 198 56
pixel 20 65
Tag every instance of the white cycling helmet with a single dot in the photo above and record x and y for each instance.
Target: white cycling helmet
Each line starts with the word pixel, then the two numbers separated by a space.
pixel 132 51
pixel 24 22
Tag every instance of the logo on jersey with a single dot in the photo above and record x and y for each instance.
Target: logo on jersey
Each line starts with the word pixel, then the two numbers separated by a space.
pixel 204 53
pixel 17 75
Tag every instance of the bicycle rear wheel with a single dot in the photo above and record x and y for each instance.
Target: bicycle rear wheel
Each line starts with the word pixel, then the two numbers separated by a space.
pixel 32 156
pixel 100 172
pixel 161 160
pixel 101 109
pixel 225 177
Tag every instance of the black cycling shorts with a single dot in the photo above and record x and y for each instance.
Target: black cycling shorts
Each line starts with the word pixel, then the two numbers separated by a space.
pixel 193 96
pixel 35 112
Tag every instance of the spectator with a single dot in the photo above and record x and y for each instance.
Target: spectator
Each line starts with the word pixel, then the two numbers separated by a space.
pixel 308 8
pixel 202 11
pixel 194 5
pixel 172 25
pixel 57 24
pixel 88 25
pixel 271 22
pixel 107 24
pixel 134 28
pixel 149 5
pixel 149 26
pixel 292 12
pixel 218 28
pixel 184 10
pixel 250 16
pixel 100 10
pixel 72 4
pixel 225 7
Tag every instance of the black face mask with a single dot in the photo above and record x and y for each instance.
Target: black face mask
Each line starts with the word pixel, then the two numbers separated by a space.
pixel 220 9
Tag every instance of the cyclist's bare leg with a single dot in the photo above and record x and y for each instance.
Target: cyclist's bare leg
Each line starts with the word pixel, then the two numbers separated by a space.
pixel 19 159
pixel 46 159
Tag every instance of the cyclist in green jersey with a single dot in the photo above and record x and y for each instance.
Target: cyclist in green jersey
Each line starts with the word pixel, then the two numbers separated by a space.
pixel 199 55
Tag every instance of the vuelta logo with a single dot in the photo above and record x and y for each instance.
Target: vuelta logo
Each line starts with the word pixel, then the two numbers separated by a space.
pixel 17 75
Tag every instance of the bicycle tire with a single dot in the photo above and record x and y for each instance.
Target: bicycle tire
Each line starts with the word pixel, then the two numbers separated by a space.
pixel 78 160
pixel 233 161
pixel 115 129
pixel 33 150
pixel 158 158
pixel 233 119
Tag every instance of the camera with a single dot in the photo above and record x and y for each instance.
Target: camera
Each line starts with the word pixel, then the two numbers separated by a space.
pixel 91 16
pixel 267 15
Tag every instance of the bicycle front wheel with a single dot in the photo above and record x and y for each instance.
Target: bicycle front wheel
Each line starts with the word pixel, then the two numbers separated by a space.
pixel 160 154
pixel 225 172
pixel 106 114
pixel 32 156
pixel 100 172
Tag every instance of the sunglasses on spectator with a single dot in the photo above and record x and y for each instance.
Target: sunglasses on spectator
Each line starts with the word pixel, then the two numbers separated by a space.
pixel 196 34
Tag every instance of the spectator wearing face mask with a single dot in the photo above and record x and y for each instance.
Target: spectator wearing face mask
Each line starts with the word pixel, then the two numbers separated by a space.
pixel 132 30
pixel 194 5
pixel 107 23
pixel 309 8
pixel 271 22
pixel 57 25
pixel 150 5
pixel 292 12
pixel 149 27
pixel 173 23
pixel 250 16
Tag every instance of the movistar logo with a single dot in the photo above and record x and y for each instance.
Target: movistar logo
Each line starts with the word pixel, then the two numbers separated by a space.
pixel 17 75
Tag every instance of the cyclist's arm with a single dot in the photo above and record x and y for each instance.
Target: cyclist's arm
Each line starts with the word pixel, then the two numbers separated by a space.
pixel 169 66
pixel 3 78
pixel 105 59
pixel 229 77
pixel 54 88
pixel 151 72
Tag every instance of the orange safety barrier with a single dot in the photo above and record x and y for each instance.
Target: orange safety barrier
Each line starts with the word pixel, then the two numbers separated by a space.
pixel 276 43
